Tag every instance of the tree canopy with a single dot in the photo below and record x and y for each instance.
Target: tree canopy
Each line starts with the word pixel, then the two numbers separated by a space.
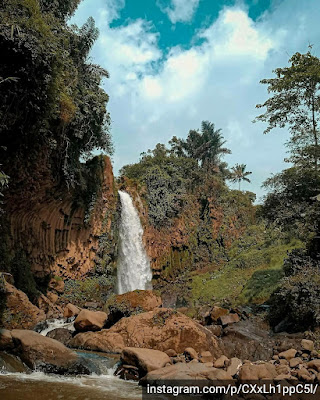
pixel 295 103
pixel 51 98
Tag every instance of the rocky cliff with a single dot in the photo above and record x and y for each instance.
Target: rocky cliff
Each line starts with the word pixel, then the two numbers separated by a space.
pixel 60 229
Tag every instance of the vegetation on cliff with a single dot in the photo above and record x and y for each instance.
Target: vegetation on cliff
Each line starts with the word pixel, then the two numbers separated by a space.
pixel 292 203
pixel 53 117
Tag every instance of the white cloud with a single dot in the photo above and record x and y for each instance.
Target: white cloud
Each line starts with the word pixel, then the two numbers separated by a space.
pixel 179 10
pixel 155 96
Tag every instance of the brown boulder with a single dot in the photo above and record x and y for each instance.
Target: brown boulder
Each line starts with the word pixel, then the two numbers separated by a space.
pixel 254 372
pixel 124 305
pixel 171 353
pixel 179 371
pixel 38 351
pixel 229 319
pixel 62 335
pixel 190 354
pixel 221 362
pixel 314 364
pixel 307 345
pixel 160 329
pixel 234 366
pixel 19 311
pixel 217 312
pixel 145 360
pixel 90 321
pixel 70 311
pixel 288 354
pixel 206 357
pixel 6 341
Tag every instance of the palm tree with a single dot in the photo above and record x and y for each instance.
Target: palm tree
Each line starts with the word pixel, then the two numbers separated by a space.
pixel 239 174
pixel 205 146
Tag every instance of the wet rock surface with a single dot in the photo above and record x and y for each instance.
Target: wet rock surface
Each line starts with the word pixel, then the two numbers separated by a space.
pixel 160 329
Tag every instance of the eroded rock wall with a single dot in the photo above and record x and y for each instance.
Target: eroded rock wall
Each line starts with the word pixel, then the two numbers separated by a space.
pixel 60 235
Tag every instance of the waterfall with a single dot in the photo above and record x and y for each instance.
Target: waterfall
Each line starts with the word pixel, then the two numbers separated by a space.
pixel 133 269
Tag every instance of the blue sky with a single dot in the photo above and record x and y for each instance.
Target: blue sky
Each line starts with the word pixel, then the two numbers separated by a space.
pixel 174 63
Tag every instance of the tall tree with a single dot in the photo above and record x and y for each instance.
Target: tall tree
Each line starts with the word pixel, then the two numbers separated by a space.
pixel 296 103
pixel 206 146
pixel 239 174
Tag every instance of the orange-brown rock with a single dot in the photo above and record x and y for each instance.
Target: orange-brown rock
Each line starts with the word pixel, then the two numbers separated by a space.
pixel 6 341
pixel 160 329
pixel 229 319
pixel 254 372
pixel 35 349
pixel 221 362
pixel 206 357
pixel 58 237
pixel 20 312
pixel 288 354
pixel 179 371
pixel 124 305
pixel 145 360
pixel 71 311
pixel 90 321
pixel 217 312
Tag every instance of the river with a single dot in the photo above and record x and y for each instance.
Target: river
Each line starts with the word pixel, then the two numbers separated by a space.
pixel 41 386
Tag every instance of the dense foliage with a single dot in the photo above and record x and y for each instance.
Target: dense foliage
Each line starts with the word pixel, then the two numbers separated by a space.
pixel 51 100
pixel 292 203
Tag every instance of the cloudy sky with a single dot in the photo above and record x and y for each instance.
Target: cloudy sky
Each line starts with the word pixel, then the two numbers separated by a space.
pixel 174 63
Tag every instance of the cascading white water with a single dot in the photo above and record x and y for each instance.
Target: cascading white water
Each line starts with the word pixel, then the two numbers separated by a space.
pixel 133 269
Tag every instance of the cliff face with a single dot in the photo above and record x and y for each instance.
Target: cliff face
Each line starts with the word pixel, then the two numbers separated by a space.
pixel 197 238
pixel 59 235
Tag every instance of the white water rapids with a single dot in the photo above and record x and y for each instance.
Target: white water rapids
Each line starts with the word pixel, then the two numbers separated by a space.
pixel 134 271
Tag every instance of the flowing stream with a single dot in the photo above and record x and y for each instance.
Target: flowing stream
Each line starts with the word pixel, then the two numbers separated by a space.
pixel 19 383
pixel 134 271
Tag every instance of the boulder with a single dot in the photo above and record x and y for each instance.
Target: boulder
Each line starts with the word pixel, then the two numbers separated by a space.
pixel 216 313
pixel 234 366
pixel 90 321
pixel 221 362
pixel 160 329
pixel 10 363
pixel 6 341
pixel 288 354
pixel 62 335
pixel 314 364
pixel 294 362
pixel 206 357
pixel 19 311
pixel 190 354
pixel 179 371
pixel 71 310
pixel 307 345
pixel 145 360
pixel 171 353
pixel 40 352
pixel 124 305
pixel 255 372
pixel 247 340
pixel 229 319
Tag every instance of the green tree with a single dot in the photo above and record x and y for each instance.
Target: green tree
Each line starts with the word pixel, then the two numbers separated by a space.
pixel 55 106
pixel 295 103
pixel 239 174
pixel 206 146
